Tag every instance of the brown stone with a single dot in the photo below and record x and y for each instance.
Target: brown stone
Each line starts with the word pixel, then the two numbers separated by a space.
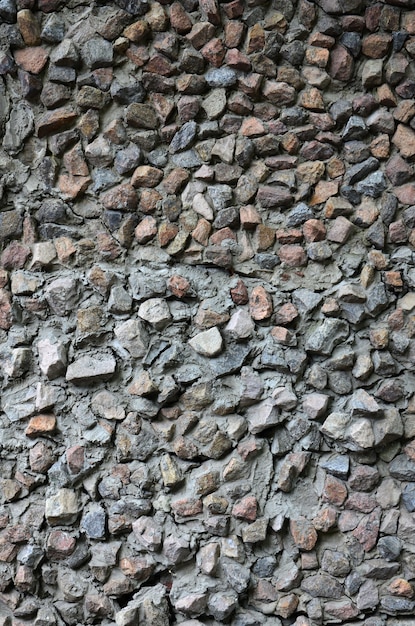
pixel 317 56
pixel 260 304
pixel 234 31
pixel 312 99
pixel 401 587
pixel 377 45
pixel 73 186
pixel 179 19
pixel 148 200
pixel 237 60
pixel 166 233
pixel 175 180
pixel 340 230
pixel 55 121
pixel 41 425
pixel 380 147
pixel 137 32
pixel 325 519
pixel 29 27
pixel 367 530
pixel 202 231
pixel 121 198
pixel 323 191
pixel 201 33
pixel 138 55
pixel 404 140
pixel 341 64
pixel 178 285
pixel 314 230
pixel 303 533
pixel 74 161
pixel 31 59
pixel 146 176
pixel 239 293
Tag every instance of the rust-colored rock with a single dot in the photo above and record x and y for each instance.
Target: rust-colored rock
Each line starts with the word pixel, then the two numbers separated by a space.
pixel 260 304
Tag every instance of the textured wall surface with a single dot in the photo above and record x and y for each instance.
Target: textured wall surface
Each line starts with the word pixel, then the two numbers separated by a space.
pixel 207 312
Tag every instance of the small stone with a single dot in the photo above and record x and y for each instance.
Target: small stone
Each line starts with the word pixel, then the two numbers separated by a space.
pixel 208 343
pixel 87 369
pixel 262 416
pixel 62 508
pixel 155 311
pixel 31 59
pixel 41 425
pixel 260 304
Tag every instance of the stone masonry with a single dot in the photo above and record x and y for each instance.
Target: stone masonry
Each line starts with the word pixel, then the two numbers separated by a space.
pixel 207 312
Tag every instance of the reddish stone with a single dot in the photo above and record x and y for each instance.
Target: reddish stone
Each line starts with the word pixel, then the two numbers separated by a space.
pixel 5 310
pixel 121 198
pixel 148 200
pixel 239 294
pixel 293 235
pixel 252 127
pixel 222 235
pixel 397 232
pixel 249 449
pixel 179 19
pixel 260 304
pixel 32 59
pixel 367 530
pixel 73 186
pixel 202 231
pixel 314 230
pixel 246 509
pixel 138 55
pixel 361 502
pixel 396 320
pixel 234 31
pixel 401 587
pixel 8 551
pixel 74 161
pixel 55 121
pixel 40 458
pixel 214 52
pixel 303 533
pixel 235 59
pixel 404 140
pixel 405 193
pixel 158 64
pixel 41 425
pixel 15 256
pixel 60 545
pixel 107 246
pixel 377 45
pixel 325 519
pixel 210 8
pixel 234 9
pixel 146 230
pixel 166 233
pixel 335 491
pixel 175 180
pixel 178 285
pixel 286 314
pixel 293 256
pixel 75 458
pixel 201 33
pixel 256 39
pixel 341 64
pixel 408 22
pixel 187 507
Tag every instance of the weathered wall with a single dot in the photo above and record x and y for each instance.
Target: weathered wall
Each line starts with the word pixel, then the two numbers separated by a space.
pixel 206 309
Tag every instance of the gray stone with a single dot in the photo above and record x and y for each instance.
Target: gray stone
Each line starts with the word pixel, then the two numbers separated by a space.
pixel 223 77
pixel 91 368
pixel 18 128
pixel 184 137
pixel 337 464
pixel 222 604
pixel 132 336
pixel 62 295
pixel 408 497
pixel 97 52
pixel 373 185
pixel 364 405
pixel 389 547
pixel 262 416
pixel 326 336
pixel 188 158
pixel 93 522
pixel 322 586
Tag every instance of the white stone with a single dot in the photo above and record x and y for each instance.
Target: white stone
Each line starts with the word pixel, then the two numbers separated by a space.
pixel 62 508
pixel 52 357
pixel 262 416
pixel 208 343
pixel 155 311
pixel 241 324
pixel 202 207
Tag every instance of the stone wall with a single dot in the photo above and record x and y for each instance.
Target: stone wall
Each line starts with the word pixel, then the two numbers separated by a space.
pixel 207 294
